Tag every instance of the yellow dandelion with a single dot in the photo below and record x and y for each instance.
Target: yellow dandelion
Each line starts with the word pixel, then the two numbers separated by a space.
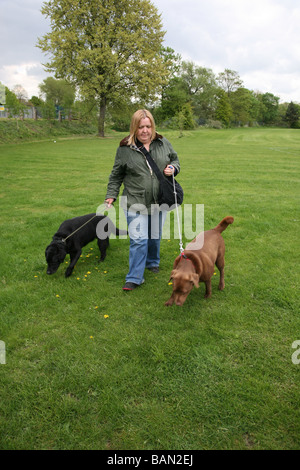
pixel 96 306
pixel 35 276
pixel 78 278
pixel 91 337
pixel 106 316
pixel 105 272
pixel 57 296
pixel 215 274
pixel 89 272
pixel 170 283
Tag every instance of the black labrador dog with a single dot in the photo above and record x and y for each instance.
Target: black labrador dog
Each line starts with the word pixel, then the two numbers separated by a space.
pixel 64 243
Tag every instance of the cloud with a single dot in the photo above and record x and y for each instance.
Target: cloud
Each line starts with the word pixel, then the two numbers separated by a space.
pixel 29 75
pixel 21 23
pixel 258 39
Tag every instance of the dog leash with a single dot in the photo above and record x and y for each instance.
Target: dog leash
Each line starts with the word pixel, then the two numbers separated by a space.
pixel 64 239
pixel 178 221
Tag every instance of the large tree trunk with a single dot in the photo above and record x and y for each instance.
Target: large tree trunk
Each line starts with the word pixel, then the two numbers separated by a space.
pixel 101 120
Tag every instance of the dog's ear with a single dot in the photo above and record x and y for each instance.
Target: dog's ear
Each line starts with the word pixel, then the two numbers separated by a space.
pixel 173 274
pixel 195 279
pixel 48 251
pixel 176 261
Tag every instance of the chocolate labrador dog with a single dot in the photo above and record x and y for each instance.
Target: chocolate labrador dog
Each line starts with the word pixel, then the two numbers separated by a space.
pixel 74 234
pixel 197 263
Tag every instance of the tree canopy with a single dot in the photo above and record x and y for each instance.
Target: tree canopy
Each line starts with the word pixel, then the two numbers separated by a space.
pixel 107 48
pixel 292 115
pixel 109 56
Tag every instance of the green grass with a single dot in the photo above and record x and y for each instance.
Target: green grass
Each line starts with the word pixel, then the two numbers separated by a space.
pixel 214 374
pixel 15 130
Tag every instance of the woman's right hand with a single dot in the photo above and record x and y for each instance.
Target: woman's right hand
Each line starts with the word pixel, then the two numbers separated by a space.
pixel 109 202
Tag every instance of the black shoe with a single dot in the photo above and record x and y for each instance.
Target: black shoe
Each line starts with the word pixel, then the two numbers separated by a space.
pixel 154 269
pixel 130 286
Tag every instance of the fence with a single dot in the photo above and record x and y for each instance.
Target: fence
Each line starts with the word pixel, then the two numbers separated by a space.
pixel 28 113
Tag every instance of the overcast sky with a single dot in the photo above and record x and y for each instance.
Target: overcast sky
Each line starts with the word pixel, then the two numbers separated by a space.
pixel 260 39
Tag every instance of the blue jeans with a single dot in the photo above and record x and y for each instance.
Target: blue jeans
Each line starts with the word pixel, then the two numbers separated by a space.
pixel 145 232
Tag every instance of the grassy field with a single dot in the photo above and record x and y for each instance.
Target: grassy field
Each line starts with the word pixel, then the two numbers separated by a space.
pixel 89 366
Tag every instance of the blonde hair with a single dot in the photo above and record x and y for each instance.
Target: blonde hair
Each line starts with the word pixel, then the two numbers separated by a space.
pixel 135 122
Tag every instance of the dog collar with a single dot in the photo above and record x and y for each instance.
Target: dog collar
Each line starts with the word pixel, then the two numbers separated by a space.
pixel 183 256
pixel 63 240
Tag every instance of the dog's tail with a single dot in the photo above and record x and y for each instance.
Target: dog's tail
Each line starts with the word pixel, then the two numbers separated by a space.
pixel 224 224
pixel 120 231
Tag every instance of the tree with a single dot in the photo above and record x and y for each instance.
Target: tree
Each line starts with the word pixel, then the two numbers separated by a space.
pixel 108 48
pixel 12 103
pixel 59 92
pixel 36 101
pixel 201 86
pixel 224 110
pixel 16 107
pixel 292 115
pixel 229 80
pixel 241 103
pixel 22 97
pixel 172 60
pixel 48 111
pixel 269 105
pixel 185 118
pixel 174 96
pixel 282 109
pixel 20 93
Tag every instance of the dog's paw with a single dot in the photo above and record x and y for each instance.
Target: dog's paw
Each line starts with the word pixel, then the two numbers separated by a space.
pixel 68 272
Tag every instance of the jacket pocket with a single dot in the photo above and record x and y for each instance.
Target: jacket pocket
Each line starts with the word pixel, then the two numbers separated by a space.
pixel 135 200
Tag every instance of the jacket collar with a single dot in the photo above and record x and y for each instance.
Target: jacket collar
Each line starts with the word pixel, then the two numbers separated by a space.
pixel 124 142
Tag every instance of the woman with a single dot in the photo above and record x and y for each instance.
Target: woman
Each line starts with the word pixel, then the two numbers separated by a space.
pixel 144 218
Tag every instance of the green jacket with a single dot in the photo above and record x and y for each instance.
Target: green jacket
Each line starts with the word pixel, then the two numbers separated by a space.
pixel 131 168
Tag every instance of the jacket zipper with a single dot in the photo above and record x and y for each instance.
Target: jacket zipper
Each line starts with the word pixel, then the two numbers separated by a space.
pixel 148 165
pixel 138 150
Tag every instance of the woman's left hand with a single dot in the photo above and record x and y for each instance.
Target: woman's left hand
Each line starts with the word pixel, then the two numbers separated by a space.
pixel 169 170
